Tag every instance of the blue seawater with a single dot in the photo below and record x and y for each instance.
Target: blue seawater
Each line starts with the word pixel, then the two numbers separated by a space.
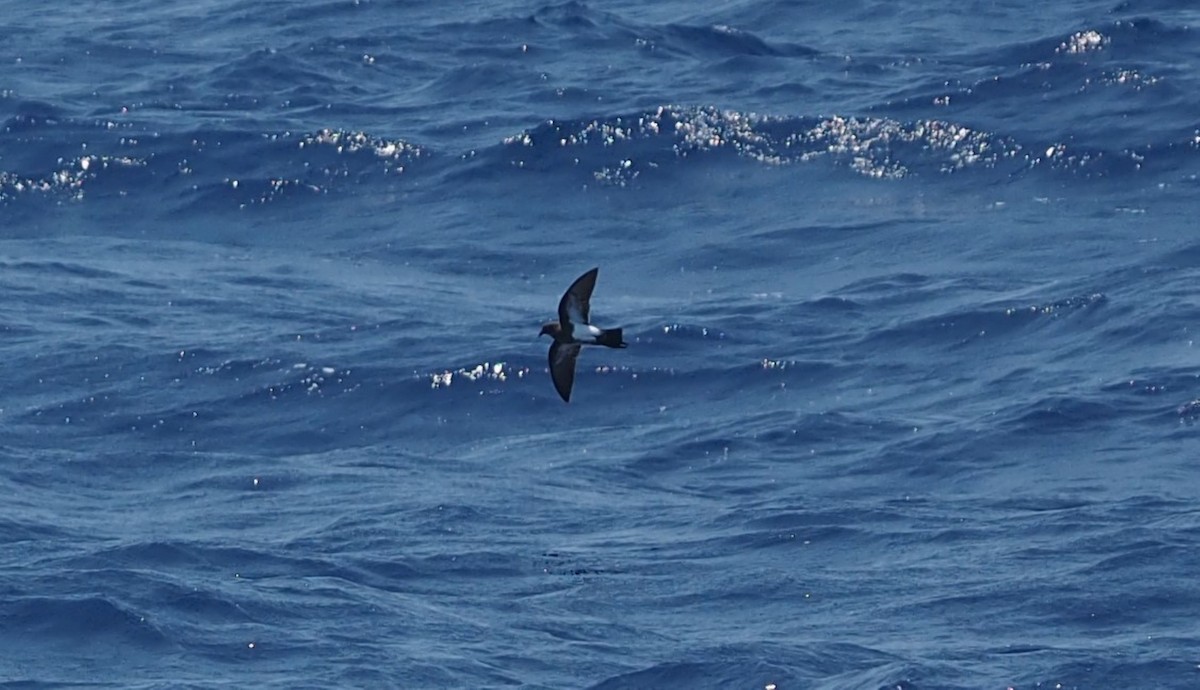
pixel 911 291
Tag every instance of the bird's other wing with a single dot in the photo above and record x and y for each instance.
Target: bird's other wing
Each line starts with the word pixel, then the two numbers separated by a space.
pixel 574 305
pixel 562 368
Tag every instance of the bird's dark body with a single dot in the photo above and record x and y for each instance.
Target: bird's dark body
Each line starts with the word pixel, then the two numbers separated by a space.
pixel 609 337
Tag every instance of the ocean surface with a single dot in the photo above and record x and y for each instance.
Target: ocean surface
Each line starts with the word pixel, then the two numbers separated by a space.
pixel 911 398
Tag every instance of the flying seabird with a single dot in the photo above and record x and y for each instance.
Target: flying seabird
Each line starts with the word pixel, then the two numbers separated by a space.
pixel 573 330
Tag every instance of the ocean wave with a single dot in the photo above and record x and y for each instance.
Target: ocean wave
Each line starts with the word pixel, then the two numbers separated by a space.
pixel 235 168
pixel 82 620
pixel 819 664
pixel 963 326
pixel 240 168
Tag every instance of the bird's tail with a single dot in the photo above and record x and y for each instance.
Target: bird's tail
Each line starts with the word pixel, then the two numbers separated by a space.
pixel 611 338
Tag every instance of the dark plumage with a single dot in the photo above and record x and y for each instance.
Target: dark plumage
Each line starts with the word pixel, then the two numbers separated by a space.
pixel 573 330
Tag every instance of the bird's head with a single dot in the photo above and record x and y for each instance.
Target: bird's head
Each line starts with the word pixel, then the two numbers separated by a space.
pixel 550 329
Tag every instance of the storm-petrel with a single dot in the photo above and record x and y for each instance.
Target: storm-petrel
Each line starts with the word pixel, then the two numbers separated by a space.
pixel 573 330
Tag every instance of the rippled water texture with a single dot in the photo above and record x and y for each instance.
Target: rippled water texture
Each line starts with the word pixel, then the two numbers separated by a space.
pixel 910 399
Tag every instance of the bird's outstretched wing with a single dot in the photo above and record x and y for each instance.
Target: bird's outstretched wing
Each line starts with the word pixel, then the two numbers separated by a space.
pixel 562 368
pixel 574 305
